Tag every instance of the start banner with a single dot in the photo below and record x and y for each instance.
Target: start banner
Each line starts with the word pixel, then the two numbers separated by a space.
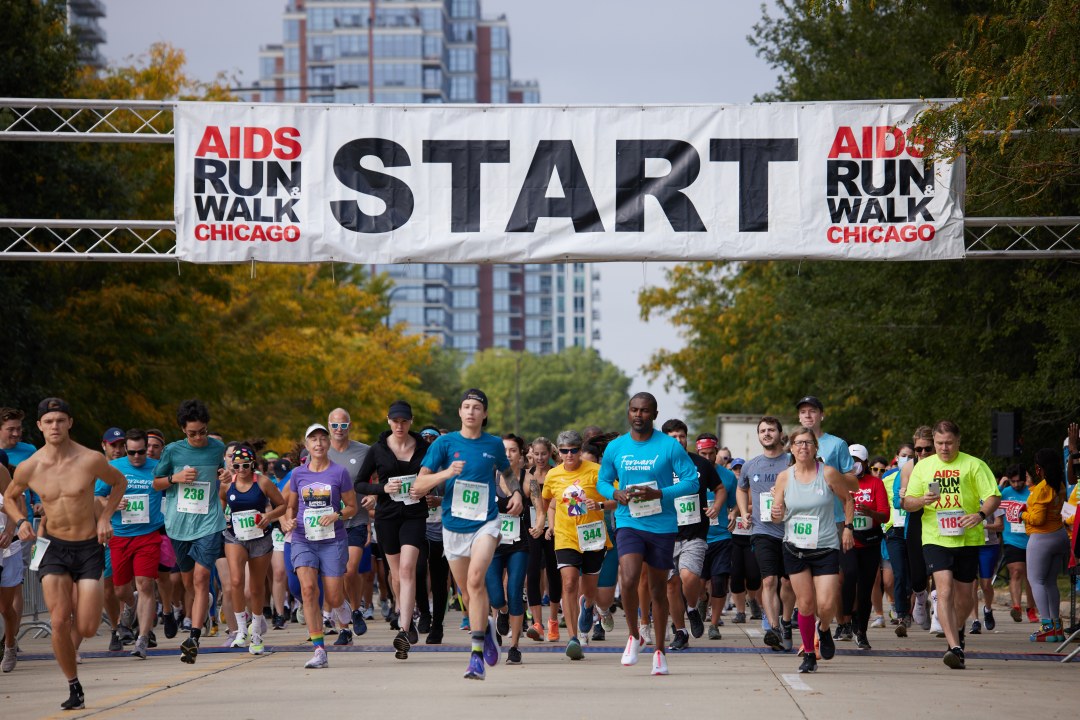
pixel 531 183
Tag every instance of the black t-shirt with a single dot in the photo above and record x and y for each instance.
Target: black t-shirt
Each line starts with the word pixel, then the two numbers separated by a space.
pixel 708 479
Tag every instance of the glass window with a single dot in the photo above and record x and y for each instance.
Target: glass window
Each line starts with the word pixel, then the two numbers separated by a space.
pixel 465 321
pixel 502 325
pixel 321 49
pixel 463 8
pixel 579 325
pixel 532 283
pixel 579 304
pixel 532 346
pixel 463 275
pixel 532 327
pixel 433 79
pixel 434 295
pixel 500 37
pixel 433 46
pixel 434 316
pixel 501 279
pixel 462 60
pixel 321 77
pixel 500 65
pixel 532 305
pixel 354 45
pixel 319 18
pixel 464 298
pixel 501 302
pixel 292 60
pixel 431 18
pixel 499 93
pixel 267 67
pixel 467 343
pixel 292 30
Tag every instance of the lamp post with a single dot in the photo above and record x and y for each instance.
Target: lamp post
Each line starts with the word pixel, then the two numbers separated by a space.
pixel 389 299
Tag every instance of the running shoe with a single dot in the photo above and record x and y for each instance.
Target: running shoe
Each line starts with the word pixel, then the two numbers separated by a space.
pixel 607 619
pixel 513 657
pixel 988 619
pixel 535 632
pixel 369 613
pixel 976 627
pixel 114 643
pixel 384 608
pixel 935 627
pixel 475 671
pixel 954 658
pixel 168 621
pixel 740 618
pixel 598 632
pixel 394 620
pixel 11 656
pixel 424 623
pixel 659 663
pixel 189 650
pixel 1046 634
pixel 492 644
pixel 545 601
pixel 809 663
pixel 213 631
pixel 328 626
pixel 151 640
pixel 714 632
pixel 918 611
pixel 646 633
pixel 861 643
pixel 465 624
pixel 414 638
pixel 844 632
pixel 1015 614
pixel 1033 617
pixel 755 610
pixel 553 630
pixel 434 636
pixel 680 642
pixel 359 627
pixel 630 654
pixel 825 644
pixel 141 646
pixel 879 622
pixel 573 650
pixel 256 647
pixel 185 625
pixel 75 701
pixel 402 645
pixel 318 660
pixel 345 637
pixel 774 640
pixel 585 619
pixel 502 622
pixel 697 626
pixel 785 627
pixel 902 626
pixel 236 639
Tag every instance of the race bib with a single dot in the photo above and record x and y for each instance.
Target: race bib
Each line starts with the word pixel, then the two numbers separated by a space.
pixel 245 525
pixel 193 498
pixel 591 536
pixel 402 495
pixel 37 553
pixel 278 538
pixel 949 523
pixel 899 518
pixel 765 500
pixel 804 531
pixel 644 508
pixel 1018 527
pixel 742 526
pixel 137 510
pixel 510 527
pixel 686 510
pixel 861 522
pixel 434 515
pixel 313 529
pixel 470 501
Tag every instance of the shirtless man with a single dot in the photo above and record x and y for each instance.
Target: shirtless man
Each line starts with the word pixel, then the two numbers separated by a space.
pixel 62 474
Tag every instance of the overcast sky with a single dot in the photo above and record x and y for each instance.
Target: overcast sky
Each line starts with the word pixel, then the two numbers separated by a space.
pixel 581 52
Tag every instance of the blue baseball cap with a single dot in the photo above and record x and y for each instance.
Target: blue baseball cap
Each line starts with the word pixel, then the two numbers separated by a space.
pixel 113 434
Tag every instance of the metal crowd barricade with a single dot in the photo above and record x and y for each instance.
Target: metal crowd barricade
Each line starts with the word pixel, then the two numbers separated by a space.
pixel 34 608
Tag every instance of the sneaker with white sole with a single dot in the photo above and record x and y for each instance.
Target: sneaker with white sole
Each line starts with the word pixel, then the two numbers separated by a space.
pixel 236 639
pixel 879 622
pixel 318 660
pixel 646 634
pixel 659 663
pixel 918 611
pixel 255 647
pixel 11 656
pixel 630 654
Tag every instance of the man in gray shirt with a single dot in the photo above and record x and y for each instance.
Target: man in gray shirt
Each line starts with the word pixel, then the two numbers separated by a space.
pixel 754 497
pixel 350 455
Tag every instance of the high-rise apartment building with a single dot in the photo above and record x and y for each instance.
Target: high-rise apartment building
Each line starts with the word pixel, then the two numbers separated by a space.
pixel 434 51
pixel 83 17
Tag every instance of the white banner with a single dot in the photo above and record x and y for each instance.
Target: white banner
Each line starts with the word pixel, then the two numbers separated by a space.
pixel 431 183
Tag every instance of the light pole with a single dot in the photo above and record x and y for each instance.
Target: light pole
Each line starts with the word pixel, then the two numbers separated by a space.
pixel 389 299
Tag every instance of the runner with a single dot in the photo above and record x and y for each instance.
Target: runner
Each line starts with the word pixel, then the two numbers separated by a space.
pixel 351 455
pixel 755 499
pixel 575 512
pixel 804 498
pixel 505 579
pixel 646 463
pixel 249 544
pixel 120 618
pixel 11 572
pixel 861 571
pixel 189 473
pixel 320 497
pixel 684 585
pixel 950 487
pixel 71 556
pixel 717 566
pixel 466 462
pixel 136 545
pixel 989 555
pixel 542 559
pixel 1048 542
pixel 895 543
pixel 1014 498
pixel 923 445
pixel 400 519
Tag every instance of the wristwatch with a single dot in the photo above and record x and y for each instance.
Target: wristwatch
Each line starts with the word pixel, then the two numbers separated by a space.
pixel 982 514
pixel 849 526
pixel 19 523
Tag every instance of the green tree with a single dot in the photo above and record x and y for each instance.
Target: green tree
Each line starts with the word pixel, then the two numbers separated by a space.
pixel 534 395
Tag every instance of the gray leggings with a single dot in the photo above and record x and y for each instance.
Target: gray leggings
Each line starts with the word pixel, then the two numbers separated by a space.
pixel 1046 554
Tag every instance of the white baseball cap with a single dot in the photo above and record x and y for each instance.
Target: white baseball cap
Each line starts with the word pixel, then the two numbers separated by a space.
pixel 858 451
pixel 313 427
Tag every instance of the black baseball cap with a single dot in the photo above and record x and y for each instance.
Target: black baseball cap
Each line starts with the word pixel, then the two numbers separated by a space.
pixel 54 404
pixel 810 400
pixel 400 410
pixel 479 396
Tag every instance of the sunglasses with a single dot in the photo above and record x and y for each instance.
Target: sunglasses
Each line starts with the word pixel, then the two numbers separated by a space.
pixel 878 469
pixel 569 451
pixel 137 452
pixel 802 443
pixel 197 433
pixel 924 448
pixel 339 426
pixel 242 466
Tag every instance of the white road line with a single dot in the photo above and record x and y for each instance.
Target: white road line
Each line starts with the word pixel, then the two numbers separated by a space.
pixel 795 683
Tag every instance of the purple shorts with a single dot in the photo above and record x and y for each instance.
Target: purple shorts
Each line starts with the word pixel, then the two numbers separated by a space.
pixel 328 557
pixel 658 549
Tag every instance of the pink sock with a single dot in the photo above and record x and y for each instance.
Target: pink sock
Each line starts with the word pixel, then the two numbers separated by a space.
pixel 808 630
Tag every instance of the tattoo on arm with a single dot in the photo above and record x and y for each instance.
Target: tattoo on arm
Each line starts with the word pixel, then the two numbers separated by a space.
pixel 511 480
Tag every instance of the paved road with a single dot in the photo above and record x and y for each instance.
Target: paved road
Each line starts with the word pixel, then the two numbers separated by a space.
pixel 897 679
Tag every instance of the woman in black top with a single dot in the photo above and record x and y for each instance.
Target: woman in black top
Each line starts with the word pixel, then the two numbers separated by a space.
pixel 399 520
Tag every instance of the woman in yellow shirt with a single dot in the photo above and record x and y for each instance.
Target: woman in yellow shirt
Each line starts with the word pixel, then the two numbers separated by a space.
pixel 1048 542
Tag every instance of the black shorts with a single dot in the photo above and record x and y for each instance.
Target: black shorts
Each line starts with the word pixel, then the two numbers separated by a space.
pixel 393 534
pixel 823 561
pixel 589 563
pixel 357 535
pixel 717 560
pixel 770 555
pixel 963 562
pixel 1014 554
pixel 82 560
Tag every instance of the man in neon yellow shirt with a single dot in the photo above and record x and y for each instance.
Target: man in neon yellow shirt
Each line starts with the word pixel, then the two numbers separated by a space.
pixel 949 488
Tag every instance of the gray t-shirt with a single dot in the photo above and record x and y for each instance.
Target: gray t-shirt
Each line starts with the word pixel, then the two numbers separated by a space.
pixel 759 475
pixel 351 459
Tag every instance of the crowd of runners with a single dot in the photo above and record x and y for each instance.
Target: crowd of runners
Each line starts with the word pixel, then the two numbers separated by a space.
pixel 808 536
